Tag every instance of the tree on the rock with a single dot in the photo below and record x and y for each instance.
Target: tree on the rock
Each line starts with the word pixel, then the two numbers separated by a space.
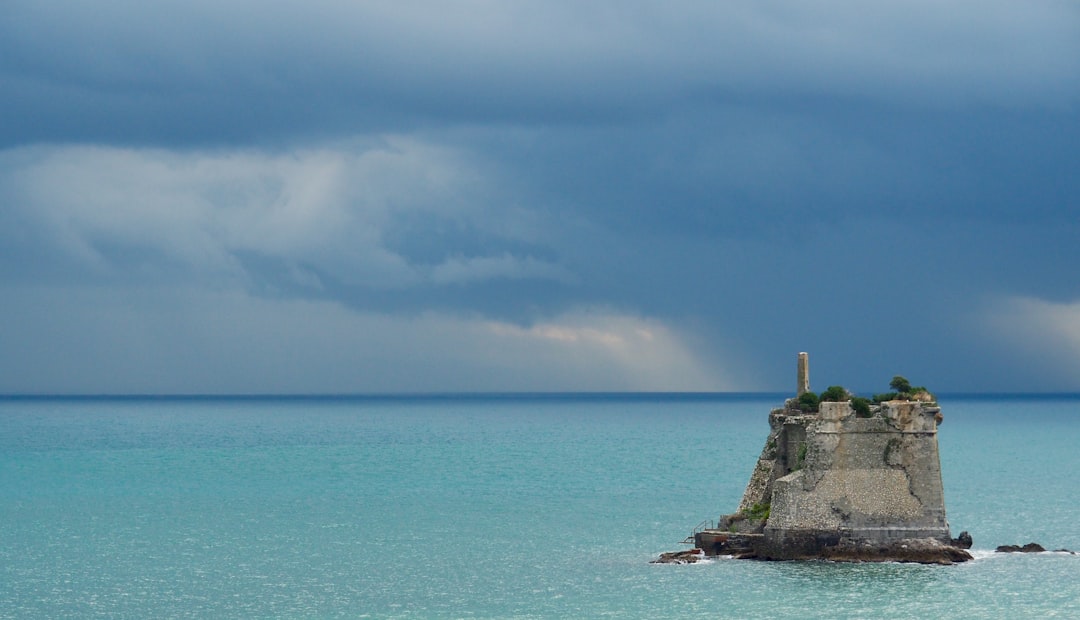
pixel 900 384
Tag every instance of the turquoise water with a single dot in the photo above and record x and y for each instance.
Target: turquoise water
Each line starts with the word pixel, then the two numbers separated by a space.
pixel 485 507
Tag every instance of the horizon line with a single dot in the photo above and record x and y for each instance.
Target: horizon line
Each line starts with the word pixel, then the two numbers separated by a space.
pixel 462 394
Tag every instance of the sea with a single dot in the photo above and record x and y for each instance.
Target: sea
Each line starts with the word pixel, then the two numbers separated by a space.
pixel 487 506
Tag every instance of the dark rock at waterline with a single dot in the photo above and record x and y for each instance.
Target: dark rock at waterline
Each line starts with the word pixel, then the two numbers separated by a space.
pixel 921 551
pixel 753 546
pixel 1031 547
pixel 680 557
pixel 963 541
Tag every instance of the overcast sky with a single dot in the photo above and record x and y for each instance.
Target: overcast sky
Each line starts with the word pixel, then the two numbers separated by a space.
pixel 339 196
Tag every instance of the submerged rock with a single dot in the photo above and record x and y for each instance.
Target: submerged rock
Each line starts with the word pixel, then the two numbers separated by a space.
pixel 1031 547
pixel 919 550
pixel 680 557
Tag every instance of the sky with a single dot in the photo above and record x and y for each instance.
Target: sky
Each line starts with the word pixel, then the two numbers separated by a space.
pixel 238 197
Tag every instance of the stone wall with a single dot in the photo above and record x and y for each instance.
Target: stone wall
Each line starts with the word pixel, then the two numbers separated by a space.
pixel 832 483
pixel 875 480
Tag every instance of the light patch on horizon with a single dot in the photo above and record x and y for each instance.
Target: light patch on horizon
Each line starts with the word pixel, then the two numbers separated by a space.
pixel 649 351
pixel 184 341
pixel 1046 332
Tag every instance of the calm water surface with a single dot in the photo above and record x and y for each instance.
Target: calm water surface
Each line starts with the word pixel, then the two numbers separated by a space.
pixel 485 507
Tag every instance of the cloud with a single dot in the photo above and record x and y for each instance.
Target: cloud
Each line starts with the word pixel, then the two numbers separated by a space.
pixel 771 174
pixel 236 71
pixel 96 340
pixel 410 227
pixel 323 214
pixel 461 270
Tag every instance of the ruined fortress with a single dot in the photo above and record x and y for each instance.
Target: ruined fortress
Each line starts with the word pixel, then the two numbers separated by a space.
pixel 844 482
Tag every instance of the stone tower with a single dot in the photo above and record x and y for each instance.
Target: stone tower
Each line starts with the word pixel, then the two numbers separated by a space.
pixel 833 482
pixel 804 374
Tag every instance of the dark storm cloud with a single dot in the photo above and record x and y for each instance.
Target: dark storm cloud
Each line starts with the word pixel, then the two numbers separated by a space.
pixel 675 195
pixel 179 72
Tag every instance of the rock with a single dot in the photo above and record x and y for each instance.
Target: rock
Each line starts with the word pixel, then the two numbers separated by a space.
pixel 1028 548
pixel 921 551
pixel 923 397
pixel 737 545
pixel 1064 551
pixel 963 541
pixel 680 557
pixel 839 481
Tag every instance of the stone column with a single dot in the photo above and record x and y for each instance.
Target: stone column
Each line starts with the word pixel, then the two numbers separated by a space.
pixel 804 374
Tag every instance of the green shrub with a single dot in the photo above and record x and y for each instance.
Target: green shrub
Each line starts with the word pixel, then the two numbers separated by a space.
pixel 903 390
pixel 919 390
pixel 835 393
pixel 887 396
pixel 861 406
pixel 758 512
pixel 808 402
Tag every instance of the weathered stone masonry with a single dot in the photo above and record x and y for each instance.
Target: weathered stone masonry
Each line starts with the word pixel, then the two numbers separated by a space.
pixel 837 486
